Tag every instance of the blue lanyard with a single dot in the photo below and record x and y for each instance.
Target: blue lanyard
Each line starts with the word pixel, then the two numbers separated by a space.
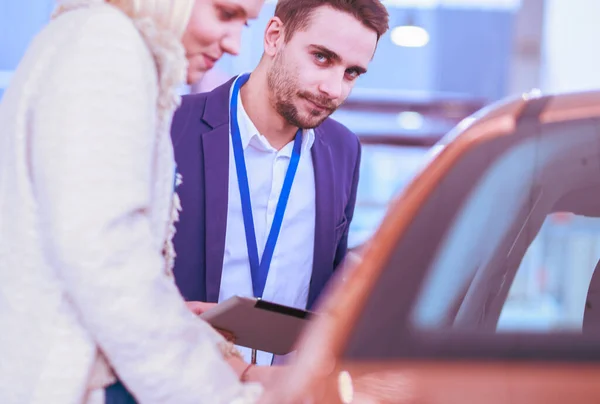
pixel 259 270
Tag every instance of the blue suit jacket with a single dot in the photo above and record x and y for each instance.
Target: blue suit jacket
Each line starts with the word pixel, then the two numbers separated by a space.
pixel 200 133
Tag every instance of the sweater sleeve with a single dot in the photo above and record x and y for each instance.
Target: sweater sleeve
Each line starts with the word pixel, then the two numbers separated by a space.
pixel 92 146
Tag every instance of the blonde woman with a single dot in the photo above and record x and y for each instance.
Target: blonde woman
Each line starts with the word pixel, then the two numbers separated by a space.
pixel 87 206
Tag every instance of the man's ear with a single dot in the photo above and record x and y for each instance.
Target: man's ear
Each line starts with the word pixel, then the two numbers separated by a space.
pixel 274 36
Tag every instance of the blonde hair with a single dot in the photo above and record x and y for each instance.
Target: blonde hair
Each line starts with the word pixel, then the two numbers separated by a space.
pixel 172 15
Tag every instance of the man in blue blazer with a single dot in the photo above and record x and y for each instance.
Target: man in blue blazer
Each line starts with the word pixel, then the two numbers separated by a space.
pixel 269 180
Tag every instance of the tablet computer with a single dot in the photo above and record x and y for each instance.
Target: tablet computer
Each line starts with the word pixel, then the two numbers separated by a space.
pixel 259 324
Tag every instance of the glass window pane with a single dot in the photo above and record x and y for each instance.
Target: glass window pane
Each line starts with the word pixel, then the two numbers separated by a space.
pixel 550 288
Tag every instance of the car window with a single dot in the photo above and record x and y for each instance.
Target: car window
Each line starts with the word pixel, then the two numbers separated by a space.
pixel 550 289
pixel 478 273
pixel 481 255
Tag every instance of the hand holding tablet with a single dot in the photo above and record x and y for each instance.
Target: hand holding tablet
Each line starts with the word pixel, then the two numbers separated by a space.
pixel 259 324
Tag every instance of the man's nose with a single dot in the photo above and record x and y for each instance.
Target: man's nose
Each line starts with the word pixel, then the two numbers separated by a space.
pixel 332 85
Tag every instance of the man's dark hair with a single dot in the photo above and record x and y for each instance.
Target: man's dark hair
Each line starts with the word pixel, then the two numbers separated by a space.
pixel 296 14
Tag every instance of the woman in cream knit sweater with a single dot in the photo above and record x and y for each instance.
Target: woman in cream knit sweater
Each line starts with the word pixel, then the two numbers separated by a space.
pixel 87 208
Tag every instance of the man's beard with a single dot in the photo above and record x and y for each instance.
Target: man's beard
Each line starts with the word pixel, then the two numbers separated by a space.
pixel 283 90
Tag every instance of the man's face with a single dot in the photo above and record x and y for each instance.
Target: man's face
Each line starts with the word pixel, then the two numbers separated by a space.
pixel 313 73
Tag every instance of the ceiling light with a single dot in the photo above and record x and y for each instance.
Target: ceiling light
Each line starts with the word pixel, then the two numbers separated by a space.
pixel 410 120
pixel 410 36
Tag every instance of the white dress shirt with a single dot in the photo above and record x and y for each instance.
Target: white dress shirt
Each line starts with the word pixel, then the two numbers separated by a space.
pixel 291 267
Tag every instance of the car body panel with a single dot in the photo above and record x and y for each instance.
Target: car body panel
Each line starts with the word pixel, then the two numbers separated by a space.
pixel 442 382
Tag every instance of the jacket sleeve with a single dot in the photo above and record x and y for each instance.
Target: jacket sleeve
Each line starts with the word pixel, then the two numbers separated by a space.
pixel 92 151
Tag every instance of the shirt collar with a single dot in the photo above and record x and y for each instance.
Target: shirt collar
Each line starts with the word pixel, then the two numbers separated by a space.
pixel 250 135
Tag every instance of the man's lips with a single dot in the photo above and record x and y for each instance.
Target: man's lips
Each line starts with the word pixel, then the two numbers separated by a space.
pixel 319 106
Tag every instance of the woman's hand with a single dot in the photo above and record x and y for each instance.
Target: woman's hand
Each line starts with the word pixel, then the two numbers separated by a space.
pixel 199 307
pixel 265 375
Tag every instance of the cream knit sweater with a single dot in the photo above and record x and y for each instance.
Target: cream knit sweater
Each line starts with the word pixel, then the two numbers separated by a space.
pixel 86 185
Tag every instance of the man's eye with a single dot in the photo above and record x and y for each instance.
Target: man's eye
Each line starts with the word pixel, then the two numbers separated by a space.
pixel 319 57
pixel 352 74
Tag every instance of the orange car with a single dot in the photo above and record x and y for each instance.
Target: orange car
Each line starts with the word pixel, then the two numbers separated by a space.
pixel 474 289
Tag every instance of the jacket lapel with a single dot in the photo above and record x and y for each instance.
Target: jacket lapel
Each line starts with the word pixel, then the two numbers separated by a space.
pixel 215 147
pixel 324 216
